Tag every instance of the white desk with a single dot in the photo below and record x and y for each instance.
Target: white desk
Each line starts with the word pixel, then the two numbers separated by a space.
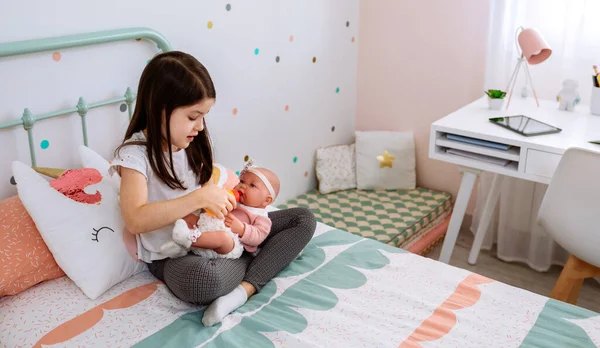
pixel 531 158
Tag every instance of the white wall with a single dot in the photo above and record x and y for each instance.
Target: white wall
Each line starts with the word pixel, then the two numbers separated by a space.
pixel 256 85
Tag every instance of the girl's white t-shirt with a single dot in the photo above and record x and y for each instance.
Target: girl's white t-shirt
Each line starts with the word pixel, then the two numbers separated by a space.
pixel 135 157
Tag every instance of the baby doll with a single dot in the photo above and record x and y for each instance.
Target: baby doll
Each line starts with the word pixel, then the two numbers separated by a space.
pixel 248 223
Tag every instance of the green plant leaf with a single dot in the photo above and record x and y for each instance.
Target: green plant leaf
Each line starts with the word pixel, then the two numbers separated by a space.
pixel 495 93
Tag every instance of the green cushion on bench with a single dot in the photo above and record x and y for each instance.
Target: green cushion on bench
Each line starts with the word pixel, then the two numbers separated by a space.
pixel 391 217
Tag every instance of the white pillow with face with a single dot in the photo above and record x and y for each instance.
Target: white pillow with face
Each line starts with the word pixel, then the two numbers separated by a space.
pixel 87 240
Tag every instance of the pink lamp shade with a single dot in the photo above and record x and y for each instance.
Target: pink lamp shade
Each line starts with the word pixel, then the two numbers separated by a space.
pixel 535 49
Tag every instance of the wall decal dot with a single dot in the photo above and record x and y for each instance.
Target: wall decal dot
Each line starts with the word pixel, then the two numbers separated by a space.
pixel 256 51
pixel 148 61
pixel 347 23
pixel 337 90
pixel 246 158
pixel 353 39
pixel 235 111
pixel 12 180
pixel 287 108
pixel 291 38
pixel 45 144
pixel 209 25
pixel 277 59
pixel 56 56
pixel 314 59
pixel 333 128
pixel 295 159
pixel 228 7
pixel 237 173
pixel 306 174
pixel 123 107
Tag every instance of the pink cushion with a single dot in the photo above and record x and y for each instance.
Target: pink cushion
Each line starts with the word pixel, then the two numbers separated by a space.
pixel 24 257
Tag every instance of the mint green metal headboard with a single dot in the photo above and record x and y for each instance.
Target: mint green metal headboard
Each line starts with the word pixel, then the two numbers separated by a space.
pixel 28 119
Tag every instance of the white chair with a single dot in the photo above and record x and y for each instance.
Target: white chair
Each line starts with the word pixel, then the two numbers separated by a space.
pixel 570 213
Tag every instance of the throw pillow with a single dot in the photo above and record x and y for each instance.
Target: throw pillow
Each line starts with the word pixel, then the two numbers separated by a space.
pixel 90 159
pixel 336 168
pixel 24 257
pixel 82 227
pixel 385 160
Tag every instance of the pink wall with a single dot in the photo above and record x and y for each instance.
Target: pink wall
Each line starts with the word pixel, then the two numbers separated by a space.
pixel 419 60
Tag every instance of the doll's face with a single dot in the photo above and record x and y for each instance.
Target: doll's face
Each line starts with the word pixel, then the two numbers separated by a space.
pixel 253 192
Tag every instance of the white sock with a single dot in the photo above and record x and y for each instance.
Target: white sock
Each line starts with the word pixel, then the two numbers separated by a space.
pixel 182 234
pixel 224 305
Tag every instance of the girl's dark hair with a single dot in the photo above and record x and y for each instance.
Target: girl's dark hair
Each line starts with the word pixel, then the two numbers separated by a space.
pixel 171 80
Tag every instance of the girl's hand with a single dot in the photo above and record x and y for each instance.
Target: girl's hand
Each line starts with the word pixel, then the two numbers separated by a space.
pixel 215 199
pixel 234 224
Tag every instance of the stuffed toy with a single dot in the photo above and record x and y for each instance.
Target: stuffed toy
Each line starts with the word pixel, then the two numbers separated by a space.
pixel 568 96
pixel 189 228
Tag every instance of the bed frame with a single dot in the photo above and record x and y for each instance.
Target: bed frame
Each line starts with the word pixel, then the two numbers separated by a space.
pixel 28 119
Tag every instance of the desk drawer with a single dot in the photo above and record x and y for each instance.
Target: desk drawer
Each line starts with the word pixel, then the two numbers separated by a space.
pixel 541 163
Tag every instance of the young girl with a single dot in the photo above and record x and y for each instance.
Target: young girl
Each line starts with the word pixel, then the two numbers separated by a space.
pixel 165 164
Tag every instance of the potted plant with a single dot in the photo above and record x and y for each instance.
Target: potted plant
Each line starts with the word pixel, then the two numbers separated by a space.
pixel 495 98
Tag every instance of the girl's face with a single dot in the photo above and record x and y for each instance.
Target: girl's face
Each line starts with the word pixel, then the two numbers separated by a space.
pixel 186 122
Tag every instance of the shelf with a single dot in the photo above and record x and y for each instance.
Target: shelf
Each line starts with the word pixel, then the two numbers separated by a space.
pixel 512 154
pixel 510 167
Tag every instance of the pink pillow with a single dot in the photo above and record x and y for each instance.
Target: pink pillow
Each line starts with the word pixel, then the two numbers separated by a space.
pixel 25 260
pixel 24 257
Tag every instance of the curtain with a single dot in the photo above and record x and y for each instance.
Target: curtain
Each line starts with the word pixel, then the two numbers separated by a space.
pixel 572 28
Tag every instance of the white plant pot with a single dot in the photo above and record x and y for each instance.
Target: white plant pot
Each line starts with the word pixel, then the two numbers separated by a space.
pixel 495 104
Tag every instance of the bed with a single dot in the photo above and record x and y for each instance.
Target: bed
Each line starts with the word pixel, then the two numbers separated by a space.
pixel 342 290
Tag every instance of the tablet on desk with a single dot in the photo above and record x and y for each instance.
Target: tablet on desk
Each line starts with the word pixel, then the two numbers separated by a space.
pixel 525 125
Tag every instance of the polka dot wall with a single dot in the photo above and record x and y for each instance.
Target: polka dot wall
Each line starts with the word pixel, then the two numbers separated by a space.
pixel 285 76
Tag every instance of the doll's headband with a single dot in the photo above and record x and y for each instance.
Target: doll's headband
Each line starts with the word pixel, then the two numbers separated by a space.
pixel 251 168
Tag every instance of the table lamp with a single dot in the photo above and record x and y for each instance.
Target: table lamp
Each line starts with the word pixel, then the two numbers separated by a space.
pixel 534 50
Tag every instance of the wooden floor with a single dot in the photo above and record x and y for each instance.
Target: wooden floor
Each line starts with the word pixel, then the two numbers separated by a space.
pixel 515 274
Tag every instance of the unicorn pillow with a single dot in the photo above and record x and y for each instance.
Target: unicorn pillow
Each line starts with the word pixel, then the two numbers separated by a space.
pixel 90 159
pixel 82 227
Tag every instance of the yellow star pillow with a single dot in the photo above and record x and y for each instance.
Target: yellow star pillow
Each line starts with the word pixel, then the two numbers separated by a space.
pixel 385 160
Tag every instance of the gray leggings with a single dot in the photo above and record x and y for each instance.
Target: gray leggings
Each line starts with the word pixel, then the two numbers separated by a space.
pixel 199 280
